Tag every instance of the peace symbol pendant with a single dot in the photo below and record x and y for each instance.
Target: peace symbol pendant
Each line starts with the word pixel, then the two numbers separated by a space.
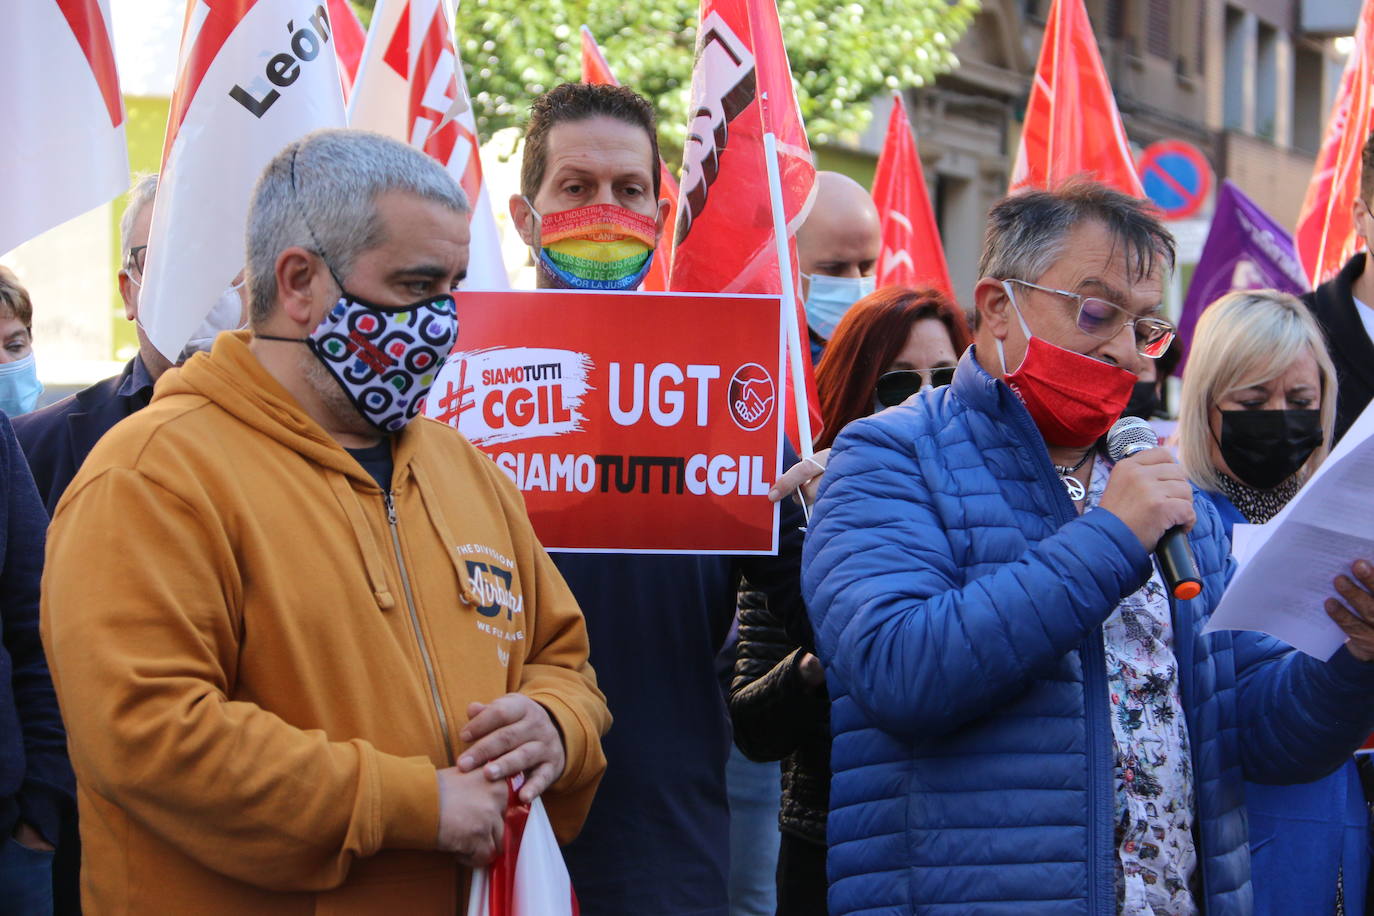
pixel 1076 491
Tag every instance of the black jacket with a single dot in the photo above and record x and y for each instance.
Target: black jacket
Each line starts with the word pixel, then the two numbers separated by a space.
pixel 657 839
pixel 58 438
pixel 36 781
pixel 1333 304
pixel 778 716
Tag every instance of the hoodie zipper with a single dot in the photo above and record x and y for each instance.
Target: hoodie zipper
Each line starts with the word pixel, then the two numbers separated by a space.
pixel 415 623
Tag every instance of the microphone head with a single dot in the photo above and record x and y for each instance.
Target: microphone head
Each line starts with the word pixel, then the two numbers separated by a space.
pixel 1128 436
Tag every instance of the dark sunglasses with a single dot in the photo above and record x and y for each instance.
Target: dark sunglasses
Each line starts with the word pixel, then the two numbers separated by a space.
pixel 896 386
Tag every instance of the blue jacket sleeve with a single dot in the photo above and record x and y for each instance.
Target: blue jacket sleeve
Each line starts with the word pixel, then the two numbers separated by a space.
pixel 1301 718
pixel 921 651
pixel 48 783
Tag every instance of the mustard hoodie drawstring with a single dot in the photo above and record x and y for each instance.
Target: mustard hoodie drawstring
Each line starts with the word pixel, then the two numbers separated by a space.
pixel 436 517
pixel 362 531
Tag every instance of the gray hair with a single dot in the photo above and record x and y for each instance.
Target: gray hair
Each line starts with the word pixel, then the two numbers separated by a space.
pixel 319 193
pixel 140 196
pixel 1026 230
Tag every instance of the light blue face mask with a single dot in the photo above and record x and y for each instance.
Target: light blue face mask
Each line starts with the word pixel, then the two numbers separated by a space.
pixel 830 297
pixel 19 386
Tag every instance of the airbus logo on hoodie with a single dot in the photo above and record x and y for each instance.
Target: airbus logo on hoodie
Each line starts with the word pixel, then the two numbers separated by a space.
pixel 491 579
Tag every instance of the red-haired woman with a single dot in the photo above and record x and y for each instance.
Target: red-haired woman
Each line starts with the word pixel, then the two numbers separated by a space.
pixel 890 345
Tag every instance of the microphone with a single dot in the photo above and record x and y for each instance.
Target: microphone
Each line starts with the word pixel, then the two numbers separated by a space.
pixel 1176 562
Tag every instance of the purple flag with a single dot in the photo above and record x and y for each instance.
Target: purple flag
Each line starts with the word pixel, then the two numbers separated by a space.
pixel 1245 249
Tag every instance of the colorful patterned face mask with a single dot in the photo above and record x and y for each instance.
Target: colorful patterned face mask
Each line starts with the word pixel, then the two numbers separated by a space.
pixel 385 358
pixel 601 247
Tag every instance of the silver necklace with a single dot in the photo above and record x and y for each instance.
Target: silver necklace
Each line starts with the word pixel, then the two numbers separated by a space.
pixel 1071 483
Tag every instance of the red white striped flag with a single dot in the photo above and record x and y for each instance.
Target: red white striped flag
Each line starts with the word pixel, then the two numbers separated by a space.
pixel 1072 123
pixel 411 87
pixel 64 150
pixel 912 253
pixel 253 76
pixel 595 69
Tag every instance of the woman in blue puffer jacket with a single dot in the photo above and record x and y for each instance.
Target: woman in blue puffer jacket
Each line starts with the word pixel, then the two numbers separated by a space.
pixel 1025 721
pixel 1258 408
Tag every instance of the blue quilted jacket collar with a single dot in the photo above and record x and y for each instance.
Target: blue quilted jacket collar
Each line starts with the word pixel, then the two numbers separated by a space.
pixel 978 389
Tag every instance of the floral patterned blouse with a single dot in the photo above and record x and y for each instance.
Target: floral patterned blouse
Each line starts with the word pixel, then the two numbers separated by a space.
pixel 1156 857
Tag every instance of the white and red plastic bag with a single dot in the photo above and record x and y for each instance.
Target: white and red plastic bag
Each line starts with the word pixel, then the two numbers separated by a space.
pixel 529 877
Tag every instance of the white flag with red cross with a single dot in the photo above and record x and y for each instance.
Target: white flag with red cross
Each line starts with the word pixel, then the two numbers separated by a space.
pixel 410 86
pixel 253 76
pixel 64 149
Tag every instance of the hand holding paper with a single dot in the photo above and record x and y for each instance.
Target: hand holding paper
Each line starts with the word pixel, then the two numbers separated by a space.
pixel 1359 624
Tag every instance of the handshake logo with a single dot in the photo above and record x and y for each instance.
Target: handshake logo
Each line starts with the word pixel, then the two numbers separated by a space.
pixel 752 396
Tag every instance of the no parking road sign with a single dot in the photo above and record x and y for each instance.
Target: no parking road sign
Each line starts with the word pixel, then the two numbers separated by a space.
pixel 1176 176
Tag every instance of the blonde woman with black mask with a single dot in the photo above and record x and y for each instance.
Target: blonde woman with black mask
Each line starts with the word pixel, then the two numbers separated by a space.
pixel 1255 420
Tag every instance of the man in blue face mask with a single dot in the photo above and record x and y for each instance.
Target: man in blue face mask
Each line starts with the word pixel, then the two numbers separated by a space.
pixel 837 251
pixel 19 385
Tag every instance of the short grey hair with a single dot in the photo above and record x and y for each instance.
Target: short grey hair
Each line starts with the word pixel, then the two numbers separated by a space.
pixel 1026 231
pixel 141 195
pixel 319 193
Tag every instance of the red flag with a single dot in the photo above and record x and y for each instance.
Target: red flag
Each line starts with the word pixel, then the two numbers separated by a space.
pixel 1072 124
pixel 912 253
pixel 596 70
pixel 349 38
pixel 741 89
pixel 1325 234
pixel 64 150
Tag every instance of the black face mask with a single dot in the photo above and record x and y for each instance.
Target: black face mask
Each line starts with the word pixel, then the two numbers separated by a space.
pixel 1144 402
pixel 1263 448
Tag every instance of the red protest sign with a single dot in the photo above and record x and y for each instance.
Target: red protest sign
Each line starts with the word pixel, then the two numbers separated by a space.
pixel 631 422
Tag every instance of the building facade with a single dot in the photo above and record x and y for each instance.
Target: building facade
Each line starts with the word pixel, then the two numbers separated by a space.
pixel 1249 82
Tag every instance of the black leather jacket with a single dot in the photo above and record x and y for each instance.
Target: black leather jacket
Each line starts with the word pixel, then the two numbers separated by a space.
pixel 778 716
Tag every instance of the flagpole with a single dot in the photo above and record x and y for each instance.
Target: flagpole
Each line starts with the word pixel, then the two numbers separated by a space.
pixel 789 305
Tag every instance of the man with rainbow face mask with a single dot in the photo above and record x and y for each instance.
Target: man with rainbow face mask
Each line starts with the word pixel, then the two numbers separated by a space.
pixel 657 839
pixel 1025 718
pixel 589 208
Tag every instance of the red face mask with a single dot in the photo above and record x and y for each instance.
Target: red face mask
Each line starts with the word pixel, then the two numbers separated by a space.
pixel 1073 399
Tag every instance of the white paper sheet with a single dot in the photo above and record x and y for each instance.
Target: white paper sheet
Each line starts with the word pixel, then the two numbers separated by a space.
pixel 1246 540
pixel 1287 566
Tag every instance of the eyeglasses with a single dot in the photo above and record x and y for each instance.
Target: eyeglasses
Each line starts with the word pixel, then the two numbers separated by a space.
pixel 896 386
pixel 1104 320
pixel 138 256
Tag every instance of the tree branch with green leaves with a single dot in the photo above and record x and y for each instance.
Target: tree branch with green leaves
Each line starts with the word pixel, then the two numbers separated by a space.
pixel 842 54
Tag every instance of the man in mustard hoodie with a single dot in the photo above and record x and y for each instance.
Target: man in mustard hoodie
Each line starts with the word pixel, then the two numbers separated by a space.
pixel 304 691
